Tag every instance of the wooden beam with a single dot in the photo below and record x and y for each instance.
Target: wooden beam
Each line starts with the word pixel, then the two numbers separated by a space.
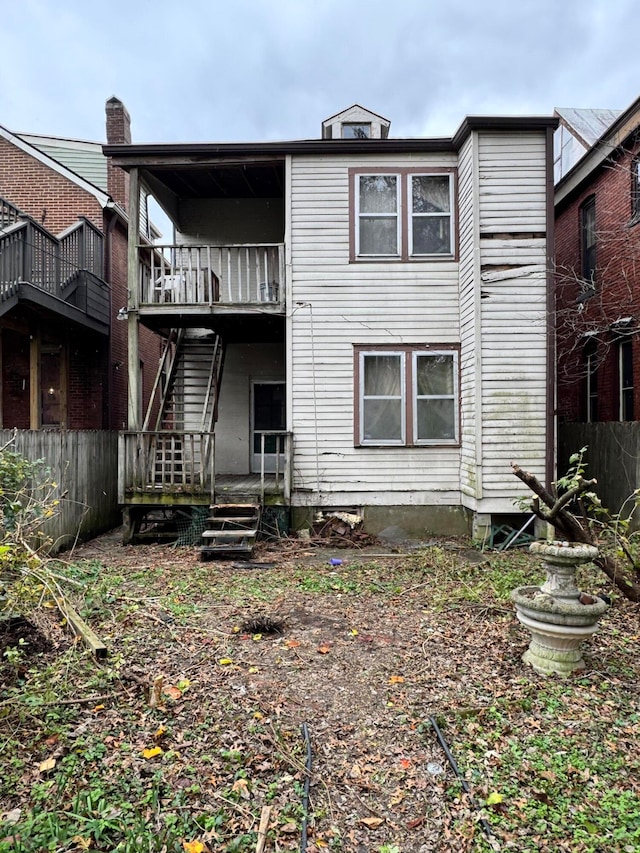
pixel 133 279
pixel 34 381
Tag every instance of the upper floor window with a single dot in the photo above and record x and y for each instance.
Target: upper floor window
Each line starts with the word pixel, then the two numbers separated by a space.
pixel 403 215
pixel 356 130
pixel 635 188
pixel 588 238
pixel 591 376
pixel 625 375
pixel 407 396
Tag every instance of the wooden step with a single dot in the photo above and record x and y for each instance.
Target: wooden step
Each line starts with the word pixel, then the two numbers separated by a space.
pixel 231 530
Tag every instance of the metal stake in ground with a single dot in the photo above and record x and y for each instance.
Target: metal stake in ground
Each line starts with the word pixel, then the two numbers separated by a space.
pixel 305 794
pixel 465 787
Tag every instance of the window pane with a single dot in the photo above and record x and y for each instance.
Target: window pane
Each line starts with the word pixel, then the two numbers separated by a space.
pixel 436 420
pixel 434 374
pixel 382 420
pixel 431 235
pixel 378 236
pixel 382 376
pixel 431 194
pixel 378 194
pixel 354 130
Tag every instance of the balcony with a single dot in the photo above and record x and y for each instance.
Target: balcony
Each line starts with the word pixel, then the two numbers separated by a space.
pixel 209 277
pixel 63 274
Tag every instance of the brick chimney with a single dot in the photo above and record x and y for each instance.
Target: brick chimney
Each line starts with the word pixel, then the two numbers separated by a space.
pixel 118 133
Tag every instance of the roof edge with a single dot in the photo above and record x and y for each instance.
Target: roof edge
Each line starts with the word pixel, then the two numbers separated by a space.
pixel 126 154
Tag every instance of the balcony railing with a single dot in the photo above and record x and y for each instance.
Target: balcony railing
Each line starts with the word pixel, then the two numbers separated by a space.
pixel 29 254
pixel 206 275
pixel 173 462
pixel 164 461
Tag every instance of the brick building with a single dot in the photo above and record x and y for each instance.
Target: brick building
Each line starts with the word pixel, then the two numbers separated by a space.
pixel 63 278
pixel 597 280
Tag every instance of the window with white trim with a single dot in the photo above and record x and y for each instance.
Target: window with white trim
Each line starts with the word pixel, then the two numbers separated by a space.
pixel 404 215
pixel 407 397
pixel 625 374
pixel 431 206
pixel 378 204
pixel 635 188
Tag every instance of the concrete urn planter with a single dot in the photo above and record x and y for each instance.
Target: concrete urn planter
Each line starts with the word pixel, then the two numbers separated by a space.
pixel 558 615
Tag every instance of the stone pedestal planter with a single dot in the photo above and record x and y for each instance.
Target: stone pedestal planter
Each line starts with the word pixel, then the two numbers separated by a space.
pixel 558 615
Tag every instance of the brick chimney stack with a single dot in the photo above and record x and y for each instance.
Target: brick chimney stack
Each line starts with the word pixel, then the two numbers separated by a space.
pixel 118 133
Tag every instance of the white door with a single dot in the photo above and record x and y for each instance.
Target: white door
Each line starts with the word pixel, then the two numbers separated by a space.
pixel 267 414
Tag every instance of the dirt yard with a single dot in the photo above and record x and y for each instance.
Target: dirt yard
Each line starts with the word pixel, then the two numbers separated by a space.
pixel 191 729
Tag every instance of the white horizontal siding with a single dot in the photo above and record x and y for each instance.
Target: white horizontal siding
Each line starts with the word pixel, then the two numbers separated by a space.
pixel 365 303
pixel 512 182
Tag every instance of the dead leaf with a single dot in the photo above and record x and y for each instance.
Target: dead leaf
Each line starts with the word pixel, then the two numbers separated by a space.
pixel 396 679
pixel 241 786
pixel 324 649
pixel 292 644
pixel 47 764
pixel 82 842
pixel 193 846
pixel 172 692
pixel 152 752
pixel 160 732
pixel 289 827
pixel 372 822
pixel 415 823
pixel 97 708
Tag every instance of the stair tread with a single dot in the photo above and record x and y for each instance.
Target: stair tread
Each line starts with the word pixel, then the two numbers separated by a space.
pixel 231 534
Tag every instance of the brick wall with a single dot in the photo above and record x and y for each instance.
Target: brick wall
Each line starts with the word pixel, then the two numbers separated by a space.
pixel 15 379
pixel 97 375
pixel 51 199
pixel 617 292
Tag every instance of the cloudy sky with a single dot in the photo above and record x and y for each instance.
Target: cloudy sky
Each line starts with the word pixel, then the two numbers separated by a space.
pixel 204 70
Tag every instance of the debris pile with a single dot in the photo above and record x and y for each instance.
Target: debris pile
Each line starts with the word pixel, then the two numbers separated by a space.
pixel 344 529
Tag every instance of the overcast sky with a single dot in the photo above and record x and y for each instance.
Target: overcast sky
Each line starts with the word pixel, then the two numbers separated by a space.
pixel 206 70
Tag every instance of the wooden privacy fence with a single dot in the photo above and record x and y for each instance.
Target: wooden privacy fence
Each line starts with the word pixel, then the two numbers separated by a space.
pixel 612 457
pixel 84 463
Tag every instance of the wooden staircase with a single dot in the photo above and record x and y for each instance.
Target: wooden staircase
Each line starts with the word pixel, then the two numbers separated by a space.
pixel 231 531
pixel 188 380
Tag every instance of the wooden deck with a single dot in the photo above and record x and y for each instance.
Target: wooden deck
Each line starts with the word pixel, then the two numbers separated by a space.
pixel 232 485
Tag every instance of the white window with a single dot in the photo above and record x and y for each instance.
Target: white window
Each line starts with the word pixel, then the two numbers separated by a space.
pixel 378 206
pixel 405 215
pixel 407 397
pixel 625 375
pixel 435 415
pixel 431 231
pixel 382 398
pixel 356 129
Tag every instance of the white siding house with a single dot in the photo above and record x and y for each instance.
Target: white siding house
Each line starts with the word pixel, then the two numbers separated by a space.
pixel 377 311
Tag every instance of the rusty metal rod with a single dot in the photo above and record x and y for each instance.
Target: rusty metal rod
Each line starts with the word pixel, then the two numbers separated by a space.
pixel 465 787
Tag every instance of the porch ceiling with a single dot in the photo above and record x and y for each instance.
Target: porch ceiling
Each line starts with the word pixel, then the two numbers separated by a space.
pixel 233 328
pixel 263 179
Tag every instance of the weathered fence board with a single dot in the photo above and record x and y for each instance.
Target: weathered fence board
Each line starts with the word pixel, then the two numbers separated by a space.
pixel 613 457
pixel 85 465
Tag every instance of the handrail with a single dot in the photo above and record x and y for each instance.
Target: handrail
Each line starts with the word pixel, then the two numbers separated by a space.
pixel 31 254
pixel 9 213
pixel 206 274
pixel 264 434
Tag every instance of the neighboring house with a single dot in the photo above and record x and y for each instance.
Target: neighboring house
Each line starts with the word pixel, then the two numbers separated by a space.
pixel 354 322
pixel 597 277
pixel 63 278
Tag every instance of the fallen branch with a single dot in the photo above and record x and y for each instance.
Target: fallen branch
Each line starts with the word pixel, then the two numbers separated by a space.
pixel 626 578
pixel 81 629
pixel 262 829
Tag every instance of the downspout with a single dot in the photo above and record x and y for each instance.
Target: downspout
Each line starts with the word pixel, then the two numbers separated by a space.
pixel 551 418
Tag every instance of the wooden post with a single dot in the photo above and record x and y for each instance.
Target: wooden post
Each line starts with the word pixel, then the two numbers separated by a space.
pixel 34 380
pixel 133 279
